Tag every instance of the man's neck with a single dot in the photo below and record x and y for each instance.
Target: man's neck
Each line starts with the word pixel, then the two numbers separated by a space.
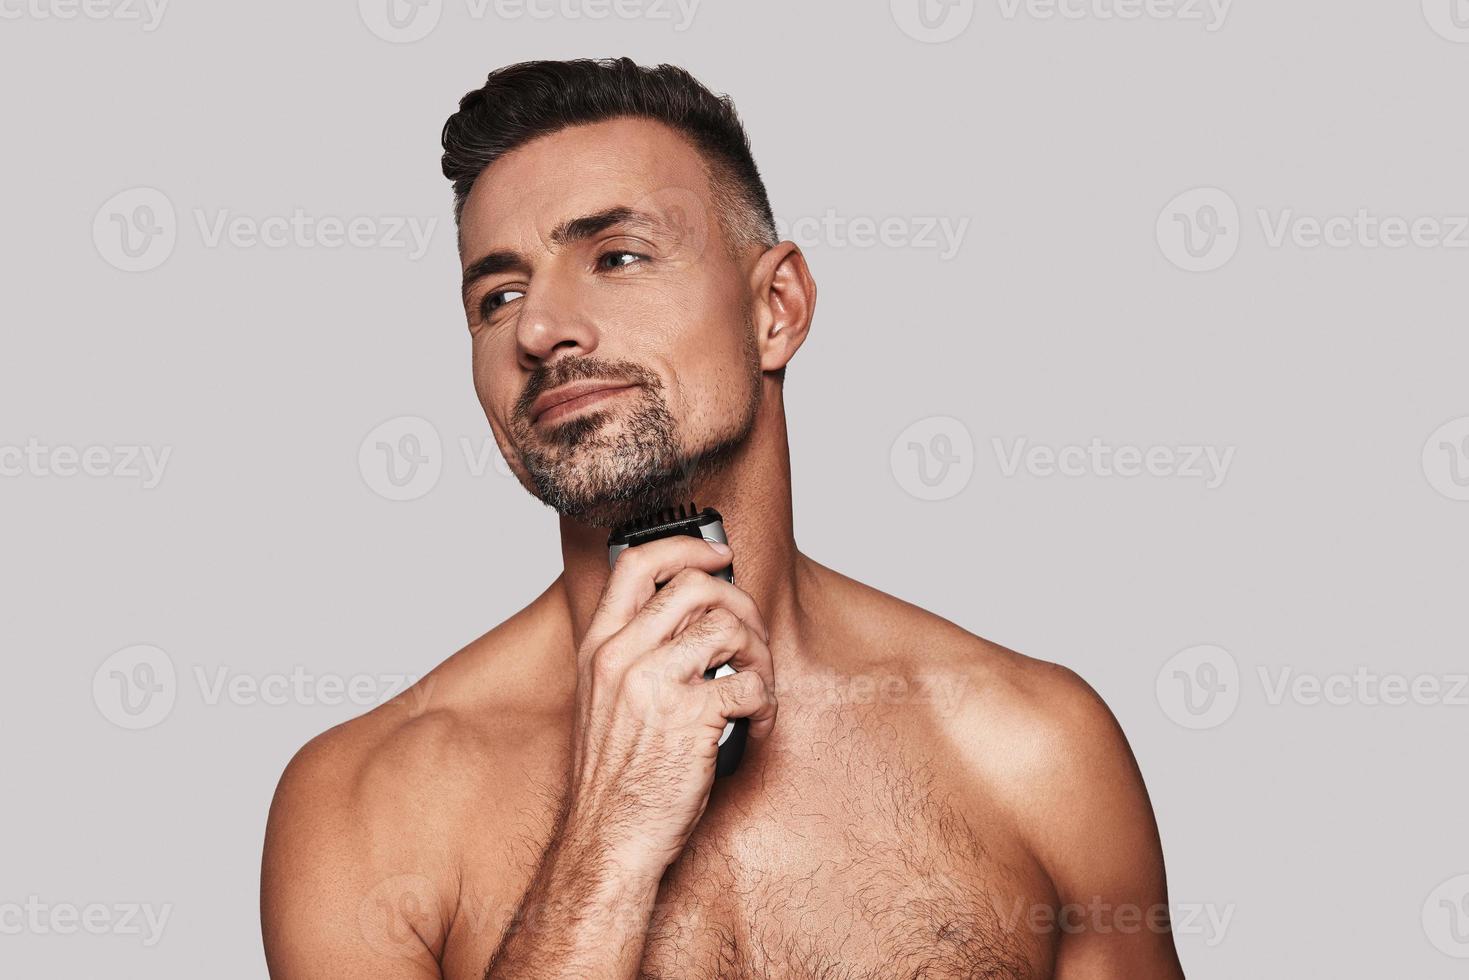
pixel 753 495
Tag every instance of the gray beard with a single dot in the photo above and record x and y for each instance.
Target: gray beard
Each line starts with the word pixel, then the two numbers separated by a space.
pixel 606 481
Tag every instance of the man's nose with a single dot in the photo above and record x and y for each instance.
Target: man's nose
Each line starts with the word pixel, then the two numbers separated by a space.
pixel 551 318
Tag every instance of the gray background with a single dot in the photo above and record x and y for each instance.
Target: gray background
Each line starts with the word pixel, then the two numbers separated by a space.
pixel 1330 834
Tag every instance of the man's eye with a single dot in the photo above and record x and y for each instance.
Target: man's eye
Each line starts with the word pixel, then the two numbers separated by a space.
pixel 493 301
pixel 617 259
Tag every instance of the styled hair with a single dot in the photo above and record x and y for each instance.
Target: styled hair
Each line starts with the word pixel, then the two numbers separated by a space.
pixel 521 102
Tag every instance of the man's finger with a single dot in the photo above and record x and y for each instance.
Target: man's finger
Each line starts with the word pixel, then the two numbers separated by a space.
pixel 636 575
pixel 688 597
pixel 745 695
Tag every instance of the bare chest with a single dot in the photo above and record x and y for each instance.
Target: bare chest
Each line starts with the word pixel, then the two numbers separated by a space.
pixel 839 853
pixel 853 861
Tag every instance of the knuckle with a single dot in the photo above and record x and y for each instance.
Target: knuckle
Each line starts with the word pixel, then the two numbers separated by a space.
pixel 715 626
pixel 654 605
pixel 634 563
pixel 721 622
pixel 686 579
pixel 742 689
pixel 606 661
pixel 752 684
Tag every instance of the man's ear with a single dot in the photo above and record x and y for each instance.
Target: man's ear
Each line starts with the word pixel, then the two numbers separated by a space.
pixel 785 301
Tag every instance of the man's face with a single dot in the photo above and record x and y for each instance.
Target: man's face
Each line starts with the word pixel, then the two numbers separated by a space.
pixel 595 254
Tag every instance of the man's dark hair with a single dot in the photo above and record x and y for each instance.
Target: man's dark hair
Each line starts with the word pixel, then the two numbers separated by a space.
pixel 520 102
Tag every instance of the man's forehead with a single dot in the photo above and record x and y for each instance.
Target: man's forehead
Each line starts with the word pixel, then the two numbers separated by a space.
pixel 637 164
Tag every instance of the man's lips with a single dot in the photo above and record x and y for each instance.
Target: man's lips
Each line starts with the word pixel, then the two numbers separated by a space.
pixel 570 397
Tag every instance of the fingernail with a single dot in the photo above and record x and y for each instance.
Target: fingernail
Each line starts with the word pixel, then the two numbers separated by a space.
pixel 721 548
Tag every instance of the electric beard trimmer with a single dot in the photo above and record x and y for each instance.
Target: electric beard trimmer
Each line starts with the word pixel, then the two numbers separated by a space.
pixel 706 524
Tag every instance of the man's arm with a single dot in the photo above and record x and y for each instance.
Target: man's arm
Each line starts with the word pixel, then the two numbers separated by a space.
pixel 584 914
pixel 332 903
pixel 1102 847
pixel 1076 792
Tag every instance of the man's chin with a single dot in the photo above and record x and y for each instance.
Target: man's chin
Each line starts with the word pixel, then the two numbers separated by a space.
pixel 573 496
pixel 610 481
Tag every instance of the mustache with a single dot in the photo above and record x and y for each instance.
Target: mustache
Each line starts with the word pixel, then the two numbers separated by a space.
pixel 571 369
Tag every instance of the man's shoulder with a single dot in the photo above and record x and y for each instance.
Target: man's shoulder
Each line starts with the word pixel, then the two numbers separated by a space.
pixel 1037 742
pixel 984 679
pixel 378 812
pixel 460 744
pixel 1030 735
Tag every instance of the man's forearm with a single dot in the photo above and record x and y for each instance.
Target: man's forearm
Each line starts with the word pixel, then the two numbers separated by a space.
pixel 584 915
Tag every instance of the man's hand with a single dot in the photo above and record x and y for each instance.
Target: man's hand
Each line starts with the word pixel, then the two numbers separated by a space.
pixel 647 722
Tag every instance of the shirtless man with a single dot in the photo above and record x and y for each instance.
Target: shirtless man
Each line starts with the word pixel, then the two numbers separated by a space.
pixel 914 801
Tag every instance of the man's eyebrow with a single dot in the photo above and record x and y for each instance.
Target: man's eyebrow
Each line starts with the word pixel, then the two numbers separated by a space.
pixel 567 232
pixel 580 229
pixel 489 265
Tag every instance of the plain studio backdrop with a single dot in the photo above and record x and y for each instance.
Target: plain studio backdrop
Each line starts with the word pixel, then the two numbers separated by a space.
pixel 1140 348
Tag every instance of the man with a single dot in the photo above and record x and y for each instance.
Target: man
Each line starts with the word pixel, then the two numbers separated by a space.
pixel 914 801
